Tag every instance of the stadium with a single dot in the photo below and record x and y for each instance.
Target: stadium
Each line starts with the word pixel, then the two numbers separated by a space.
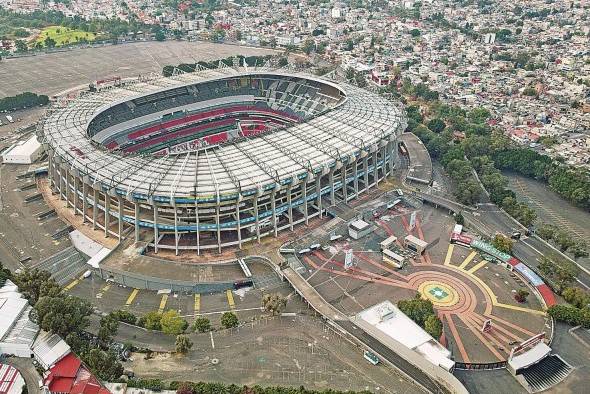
pixel 216 158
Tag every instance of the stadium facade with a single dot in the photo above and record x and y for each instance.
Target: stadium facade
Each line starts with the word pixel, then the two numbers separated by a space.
pixel 217 158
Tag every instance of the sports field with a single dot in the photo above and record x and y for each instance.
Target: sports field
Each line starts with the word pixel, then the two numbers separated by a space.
pixel 64 35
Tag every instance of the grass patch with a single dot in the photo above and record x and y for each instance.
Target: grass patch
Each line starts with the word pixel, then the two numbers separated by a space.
pixel 64 35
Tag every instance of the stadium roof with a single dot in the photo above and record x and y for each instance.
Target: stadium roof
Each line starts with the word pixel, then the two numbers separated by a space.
pixel 354 127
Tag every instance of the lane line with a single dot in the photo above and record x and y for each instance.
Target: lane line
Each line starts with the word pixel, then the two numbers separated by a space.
pixel 212 341
pixel 230 299
pixel 131 297
pixel 477 266
pixel 73 283
pixel 163 302
pixel 457 337
pixel 197 304
pixel 467 260
pixel 449 254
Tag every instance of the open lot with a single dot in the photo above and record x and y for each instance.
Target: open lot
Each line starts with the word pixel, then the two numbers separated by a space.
pixel 54 72
pixel 465 289
pixel 64 35
pixel 281 351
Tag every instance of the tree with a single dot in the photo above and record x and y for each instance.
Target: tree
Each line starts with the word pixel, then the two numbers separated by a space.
pixel 109 325
pixel 21 46
pixel 563 240
pixel 5 274
pixel 274 303
pixel 34 284
pixel 433 326
pixel 229 320
pixel 579 249
pixel 415 33
pixel 202 324
pixel 308 46
pixel 183 344
pixel 62 315
pixel 521 295
pixel 436 125
pixel 184 388
pixel 417 309
pixel 576 296
pixel 160 36
pixel 502 243
pixel 151 321
pixel 459 219
pixel 172 323
pixel 49 42
pixel 125 316
pixel 103 364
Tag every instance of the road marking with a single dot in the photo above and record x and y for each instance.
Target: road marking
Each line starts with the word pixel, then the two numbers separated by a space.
pixel 449 254
pixel 197 303
pixel 106 288
pixel 468 260
pixel 131 297
pixel 212 341
pixel 477 266
pixel 163 302
pixel 520 309
pixel 230 299
pixel 73 283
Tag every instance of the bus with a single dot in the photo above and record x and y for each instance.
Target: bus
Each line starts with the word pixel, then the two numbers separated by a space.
pixel 370 357
pixel 393 258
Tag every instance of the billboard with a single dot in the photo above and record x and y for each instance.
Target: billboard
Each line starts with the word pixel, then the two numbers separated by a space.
pixel 348 259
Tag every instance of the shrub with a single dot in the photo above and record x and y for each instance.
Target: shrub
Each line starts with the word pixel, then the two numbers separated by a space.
pixel 125 316
pixel 202 324
pixel 229 320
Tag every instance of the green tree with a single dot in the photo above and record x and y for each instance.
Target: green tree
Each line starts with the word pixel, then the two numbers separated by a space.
pixel 160 36
pixel 202 324
pixel 229 320
pixel 103 364
pixel 579 249
pixel 436 125
pixel 21 46
pixel 433 326
pixel 109 325
pixel 172 323
pixel 576 296
pixel 563 240
pixel 49 42
pixel 502 243
pixel 183 344
pixel 274 303
pixel 34 284
pixel 5 274
pixel 63 314
pixel 459 219
pixel 416 309
pixel 151 321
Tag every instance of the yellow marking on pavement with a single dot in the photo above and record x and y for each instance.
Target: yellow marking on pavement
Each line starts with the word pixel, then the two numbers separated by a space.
pixel 73 283
pixel 197 304
pixel 131 297
pixel 163 303
pixel 449 254
pixel 477 266
pixel 468 260
pixel 520 308
pixel 106 288
pixel 230 299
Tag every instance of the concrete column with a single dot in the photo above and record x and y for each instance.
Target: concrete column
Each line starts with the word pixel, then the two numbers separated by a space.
pixel 62 190
pixel 305 208
pixel 84 201
pixel 217 220
pixel 390 150
pixel 290 202
pixel 257 219
pixel 121 211
pixel 356 179
pixel 107 213
pixel 94 208
pixel 156 232
pixel 273 205
pixel 238 223
pixel 198 232
pixel 375 174
pixel 318 191
pixel 344 185
pixel 67 185
pixel 75 179
pixel 366 174
pixel 175 230
pixel 332 191
pixel 136 229
pixel 50 169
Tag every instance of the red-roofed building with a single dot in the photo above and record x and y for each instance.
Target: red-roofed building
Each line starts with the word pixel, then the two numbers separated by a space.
pixel 69 375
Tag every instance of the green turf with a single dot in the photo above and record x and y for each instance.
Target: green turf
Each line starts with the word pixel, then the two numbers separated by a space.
pixel 64 35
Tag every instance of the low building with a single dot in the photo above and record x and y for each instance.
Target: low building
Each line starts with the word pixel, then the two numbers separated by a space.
pixel 11 381
pixel 416 244
pixel 391 324
pixel 359 228
pixel 17 331
pixel 23 152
